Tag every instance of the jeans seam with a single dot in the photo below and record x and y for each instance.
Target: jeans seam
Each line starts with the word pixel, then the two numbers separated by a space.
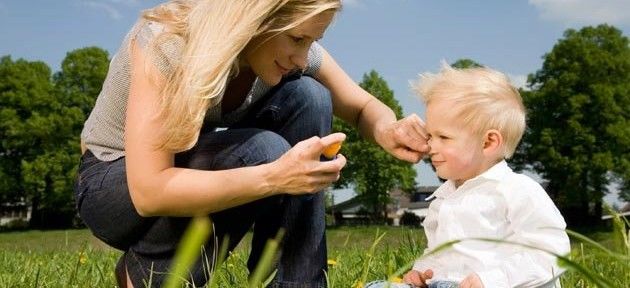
pixel 100 183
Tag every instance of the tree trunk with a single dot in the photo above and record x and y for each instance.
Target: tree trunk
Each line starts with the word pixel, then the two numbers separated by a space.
pixel 598 210
pixel 36 214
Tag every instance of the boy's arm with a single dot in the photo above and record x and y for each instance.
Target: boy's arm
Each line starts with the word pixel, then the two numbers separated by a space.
pixel 536 222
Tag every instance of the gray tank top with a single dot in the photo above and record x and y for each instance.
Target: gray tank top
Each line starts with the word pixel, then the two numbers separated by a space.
pixel 103 131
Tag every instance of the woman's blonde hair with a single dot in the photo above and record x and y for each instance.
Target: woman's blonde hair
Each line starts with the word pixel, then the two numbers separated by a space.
pixel 214 33
pixel 483 99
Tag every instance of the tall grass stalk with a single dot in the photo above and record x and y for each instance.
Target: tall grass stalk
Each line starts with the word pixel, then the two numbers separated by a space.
pixel 188 251
pixel 263 275
pixel 368 259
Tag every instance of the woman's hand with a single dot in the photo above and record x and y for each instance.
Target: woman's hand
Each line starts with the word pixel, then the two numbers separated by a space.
pixel 406 138
pixel 417 278
pixel 300 171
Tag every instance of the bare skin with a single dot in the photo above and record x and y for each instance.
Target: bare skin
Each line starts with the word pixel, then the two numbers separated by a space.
pixel 158 188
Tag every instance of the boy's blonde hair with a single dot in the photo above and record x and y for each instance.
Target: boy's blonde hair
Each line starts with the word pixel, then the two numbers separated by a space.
pixel 483 99
pixel 214 33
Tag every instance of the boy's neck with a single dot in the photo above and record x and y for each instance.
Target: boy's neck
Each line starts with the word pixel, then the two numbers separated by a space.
pixel 483 168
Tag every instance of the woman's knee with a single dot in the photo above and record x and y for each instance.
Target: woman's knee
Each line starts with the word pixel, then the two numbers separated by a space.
pixel 312 95
pixel 264 147
pixel 233 148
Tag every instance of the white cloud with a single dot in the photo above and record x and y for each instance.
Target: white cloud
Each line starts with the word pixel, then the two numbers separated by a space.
pixel 110 7
pixel 584 12
pixel 105 7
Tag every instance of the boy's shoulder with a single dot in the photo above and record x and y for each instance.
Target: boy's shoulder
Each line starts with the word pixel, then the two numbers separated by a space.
pixel 521 186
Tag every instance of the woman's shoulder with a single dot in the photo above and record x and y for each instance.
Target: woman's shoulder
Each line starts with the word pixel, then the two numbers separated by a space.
pixel 145 31
pixel 166 48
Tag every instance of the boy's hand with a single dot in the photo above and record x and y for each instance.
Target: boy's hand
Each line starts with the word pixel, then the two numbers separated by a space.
pixel 471 281
pixel 417 278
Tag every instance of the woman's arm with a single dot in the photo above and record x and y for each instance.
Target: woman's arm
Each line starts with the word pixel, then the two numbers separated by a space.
pixel 405 138
pixel 159 188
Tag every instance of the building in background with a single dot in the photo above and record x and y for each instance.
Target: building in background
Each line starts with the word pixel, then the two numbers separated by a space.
pixel 403 209
pixel 14 212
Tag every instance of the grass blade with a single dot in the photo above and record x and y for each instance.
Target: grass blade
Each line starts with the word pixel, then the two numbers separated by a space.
pixel 188 251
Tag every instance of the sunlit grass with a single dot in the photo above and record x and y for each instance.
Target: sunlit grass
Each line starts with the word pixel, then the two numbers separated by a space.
pixel 356 255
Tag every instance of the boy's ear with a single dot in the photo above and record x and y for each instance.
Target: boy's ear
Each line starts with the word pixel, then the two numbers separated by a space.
pixel 492 142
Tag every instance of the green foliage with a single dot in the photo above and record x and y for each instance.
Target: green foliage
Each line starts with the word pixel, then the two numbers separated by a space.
pixel 371 170
pixel 578 135
pixel 465 63
pixel 81 77
pixel 41 117
pixel 26 112
pixel 74 258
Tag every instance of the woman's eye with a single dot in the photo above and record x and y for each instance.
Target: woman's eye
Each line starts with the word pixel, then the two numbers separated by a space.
pixel 297 40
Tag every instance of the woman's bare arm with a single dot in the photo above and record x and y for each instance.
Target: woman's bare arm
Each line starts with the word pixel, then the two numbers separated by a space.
pixel 405 138
pixel 159 188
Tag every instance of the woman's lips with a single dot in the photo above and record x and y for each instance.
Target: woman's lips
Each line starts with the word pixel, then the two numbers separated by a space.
pixel 283 70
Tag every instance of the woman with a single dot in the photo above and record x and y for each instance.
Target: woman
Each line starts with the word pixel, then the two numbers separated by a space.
pixel 153 156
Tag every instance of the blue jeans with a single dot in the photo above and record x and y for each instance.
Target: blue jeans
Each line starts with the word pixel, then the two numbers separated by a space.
pixel 434 284
pixel 295 110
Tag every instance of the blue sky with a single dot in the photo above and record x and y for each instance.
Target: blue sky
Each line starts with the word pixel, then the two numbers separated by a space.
pixel 397 38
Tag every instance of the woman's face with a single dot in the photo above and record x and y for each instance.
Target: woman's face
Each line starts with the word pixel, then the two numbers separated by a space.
pixel 278 56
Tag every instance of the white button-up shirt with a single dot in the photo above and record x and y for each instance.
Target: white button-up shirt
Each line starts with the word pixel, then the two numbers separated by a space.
pixel 497 204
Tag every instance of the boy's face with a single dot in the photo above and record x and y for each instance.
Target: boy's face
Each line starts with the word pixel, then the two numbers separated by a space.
pixel 456 152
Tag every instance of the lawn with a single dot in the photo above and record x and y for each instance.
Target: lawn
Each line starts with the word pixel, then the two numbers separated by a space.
pixel 74 258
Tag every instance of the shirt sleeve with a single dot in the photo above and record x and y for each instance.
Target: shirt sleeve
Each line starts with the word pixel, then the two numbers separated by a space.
pixel 315 57
pixel 536 222
pixel 167 53
pixel 429 225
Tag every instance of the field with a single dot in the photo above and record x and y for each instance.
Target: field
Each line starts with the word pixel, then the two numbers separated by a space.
pixel 73 258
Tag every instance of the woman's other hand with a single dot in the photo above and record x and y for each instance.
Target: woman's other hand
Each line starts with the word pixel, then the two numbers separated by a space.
pixel 406 138
pixel 300 171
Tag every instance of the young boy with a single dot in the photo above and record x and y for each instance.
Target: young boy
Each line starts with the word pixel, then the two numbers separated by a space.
pixel 475 120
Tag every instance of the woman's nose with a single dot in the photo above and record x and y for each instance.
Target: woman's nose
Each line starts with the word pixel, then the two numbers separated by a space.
pixel 300 60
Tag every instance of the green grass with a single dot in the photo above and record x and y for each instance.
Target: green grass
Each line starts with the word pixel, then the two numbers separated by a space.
pixel 74 258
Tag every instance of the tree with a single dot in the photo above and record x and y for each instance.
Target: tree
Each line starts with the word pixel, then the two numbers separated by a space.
pixel 81 78
pixel 51 174
pixel 371 170
pixel 40 122
pixel 25 120
pixel 578 136
pixel 465 63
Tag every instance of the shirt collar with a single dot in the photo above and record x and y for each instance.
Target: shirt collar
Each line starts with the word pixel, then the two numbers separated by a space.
pixel 497 172
pixel 444 190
